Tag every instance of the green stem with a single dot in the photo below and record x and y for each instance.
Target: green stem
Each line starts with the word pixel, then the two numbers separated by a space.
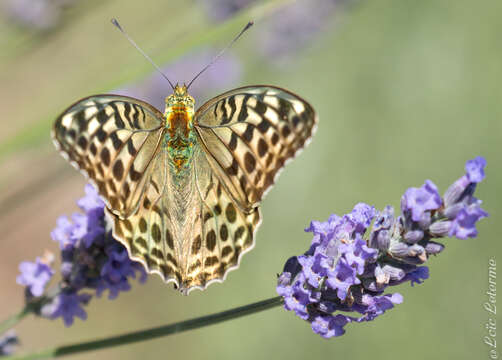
pixel 153 333
pixel 14 319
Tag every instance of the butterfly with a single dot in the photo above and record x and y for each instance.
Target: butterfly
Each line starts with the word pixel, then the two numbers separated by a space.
pixel 184 187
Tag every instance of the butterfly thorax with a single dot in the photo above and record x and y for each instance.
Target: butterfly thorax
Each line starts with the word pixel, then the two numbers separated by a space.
pixel 180 137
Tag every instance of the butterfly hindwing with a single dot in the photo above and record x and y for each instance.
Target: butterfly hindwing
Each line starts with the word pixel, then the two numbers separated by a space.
pixel 112 140
pixel 250 133
pixel 187 228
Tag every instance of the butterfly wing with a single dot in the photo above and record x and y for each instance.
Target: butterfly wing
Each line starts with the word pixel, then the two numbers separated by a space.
pixel 112 139
pixel 187 228
pixel 223 232
pixel 249 134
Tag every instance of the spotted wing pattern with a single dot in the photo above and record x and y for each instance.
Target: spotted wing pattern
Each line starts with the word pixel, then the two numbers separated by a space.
pixel 112 140
pixel 249 134
pixel 188 231
pixel 190 226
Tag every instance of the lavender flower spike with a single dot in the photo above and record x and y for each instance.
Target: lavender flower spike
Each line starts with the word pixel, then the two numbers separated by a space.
pixel 349 266
pixel 92 262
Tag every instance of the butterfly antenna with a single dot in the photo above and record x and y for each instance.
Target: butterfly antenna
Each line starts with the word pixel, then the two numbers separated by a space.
pixel 249 24
pixel 117 25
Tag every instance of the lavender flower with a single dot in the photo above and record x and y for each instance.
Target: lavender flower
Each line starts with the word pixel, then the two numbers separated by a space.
pixel 36 275
pixel 221 75
pixel 342 271
pixel 91 261
pixel 68 306
pixel 8 342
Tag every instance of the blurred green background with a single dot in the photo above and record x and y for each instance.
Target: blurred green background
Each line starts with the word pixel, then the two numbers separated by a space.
pixel 405 90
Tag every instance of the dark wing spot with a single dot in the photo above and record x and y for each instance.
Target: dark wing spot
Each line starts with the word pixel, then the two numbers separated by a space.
pixel 260 108
pixel 93 149
pixel 142 225
pixel 286 131
pixel 230 213
pixel 263 126
pixel 130 147
pixel 262 147
pixel 133 174
pixel 249 162
pixel 233 142
pixel 117 143
pixel 82 142
pixel 223 232
pixel 105 155
pixel 101 134
pixel 275 139
pixel 197 243
pixel 239 232
pixel 211 240
pixel 233 169
pixel 118 170
pixel 296 120
pixel 156 233
pixel 169 239
pixel 72 134
pixel 248 134
pixel 127 225
pixel 156 253
pixel 210 261
pixel 226 250
pixel 141 242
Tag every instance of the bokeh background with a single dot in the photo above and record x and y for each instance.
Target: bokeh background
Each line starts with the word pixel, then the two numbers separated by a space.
pixel 405 90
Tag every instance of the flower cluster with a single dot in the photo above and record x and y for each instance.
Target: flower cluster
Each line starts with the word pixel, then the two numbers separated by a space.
pixel 91 260
pixel 348 268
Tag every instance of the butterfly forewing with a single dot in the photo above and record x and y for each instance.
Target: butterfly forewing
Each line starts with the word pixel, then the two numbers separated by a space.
pixel 112 140
pixel 250 133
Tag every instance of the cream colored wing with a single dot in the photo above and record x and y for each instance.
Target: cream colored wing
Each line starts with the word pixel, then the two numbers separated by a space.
pixel 249 134
pixel 112 140
pixel 187 228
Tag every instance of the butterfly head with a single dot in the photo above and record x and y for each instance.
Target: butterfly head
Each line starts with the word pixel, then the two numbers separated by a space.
pixel 180 100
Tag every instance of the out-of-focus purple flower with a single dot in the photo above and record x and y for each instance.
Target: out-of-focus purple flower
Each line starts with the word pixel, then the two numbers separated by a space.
pixel 62 232
pixel 223 74
pixel 91 200
pixel 69 305
pixel 348 269
pixel 220 10
pixel 294 27
pixel 291 28
pixel 37 14
pixel 8 343
pixel 35 275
